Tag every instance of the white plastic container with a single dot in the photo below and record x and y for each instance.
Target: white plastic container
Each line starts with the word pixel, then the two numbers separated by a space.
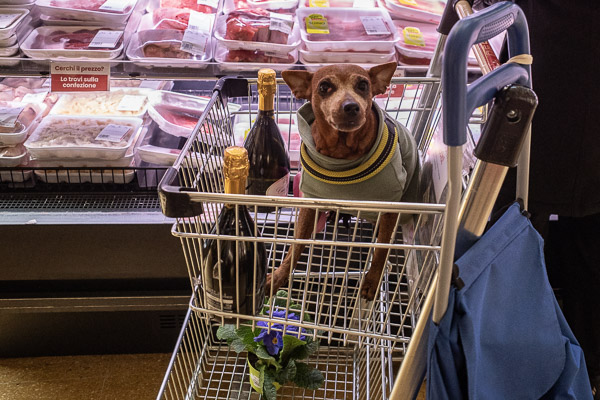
pixel 176 113
pixel 331 57
pixel 226 64
pixel 56 21
pixel 119 102
pixel 345 29
pixel 12 156
pixel 158 155
pixel 39 43
pixel 9 51
pixel 97 176
pixel 108 13
pixel 171 40
pixel 74 137
pixel 273 48
pixel 274 4
pixel 9 41
pixel 26 121
pixel 10 20
pixel 204 6
pixel 417 10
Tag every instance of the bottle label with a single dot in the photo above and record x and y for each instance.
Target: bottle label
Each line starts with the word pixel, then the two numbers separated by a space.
pixel 280 187
pixel 317 23
pixel 214 302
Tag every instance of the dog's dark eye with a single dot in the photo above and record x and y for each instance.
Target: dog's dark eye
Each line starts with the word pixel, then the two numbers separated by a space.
pixel 362 85
pixel 325 87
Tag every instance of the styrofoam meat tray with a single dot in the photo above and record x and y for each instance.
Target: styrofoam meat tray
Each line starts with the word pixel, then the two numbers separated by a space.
pixel 26 121
pixel 118 102
pixel 12 156
pixel 177 114
pixel 226 65
pixel 273 4
pixel 417 10
pixel 273 48
pixel 170 38
pixel 10 20
pixel 331 57
pixel 37 43
pixel 203 6
pixel 347 32
pixel 74 137
pixel 108 12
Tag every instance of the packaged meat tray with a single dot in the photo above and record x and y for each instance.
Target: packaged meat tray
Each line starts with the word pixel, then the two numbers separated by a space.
pixel 177 114
pixel 203 6
pixel 338 3
pixel 347 29
pixel 165 18
pixel 162 48
pixel 327 57
pixel 10 21
pixel 288 5
pixel 418 10
pixel 122 102
pixel 106 12
pixel 16 121
pixel 12 156
pixel 97 176
pixel 258 30
pixel 248 60
pixel 56 21
pixel 68 42
pixel 417 42
pixel 83 137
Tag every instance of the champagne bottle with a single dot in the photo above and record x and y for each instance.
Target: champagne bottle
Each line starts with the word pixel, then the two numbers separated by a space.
pixel 269 162
pixel 234 271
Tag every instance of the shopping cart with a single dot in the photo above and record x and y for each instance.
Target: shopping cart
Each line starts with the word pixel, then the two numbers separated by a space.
pixel 362 343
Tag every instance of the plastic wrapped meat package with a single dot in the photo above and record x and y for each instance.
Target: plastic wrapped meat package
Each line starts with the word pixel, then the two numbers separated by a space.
pixel 165 18
pixel 162 48
pixel 12 156
pixel 344 29
pixel 177 114
pixel 16 121
pixel 108 12
pixel 69 42
pixel 278 6
pixel 258 30
pixel 338 3
pixel 118 102
pixel 417 42
pixel 203 6
pixel 27 90
pixel 249 60
pixel 349 57
pixel 288 126
pixel 417 10
pixel 83 137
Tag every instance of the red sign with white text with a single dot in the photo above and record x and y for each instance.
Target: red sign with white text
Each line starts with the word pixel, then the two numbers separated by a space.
pixel 79 77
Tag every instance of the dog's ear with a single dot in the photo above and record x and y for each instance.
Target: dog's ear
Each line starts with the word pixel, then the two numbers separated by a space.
pixel 381 76
pixel 300 82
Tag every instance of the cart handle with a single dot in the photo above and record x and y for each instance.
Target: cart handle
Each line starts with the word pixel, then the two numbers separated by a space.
pixel 458 102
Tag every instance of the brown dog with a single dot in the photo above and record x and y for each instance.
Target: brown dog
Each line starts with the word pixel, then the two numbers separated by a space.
pixel 345 126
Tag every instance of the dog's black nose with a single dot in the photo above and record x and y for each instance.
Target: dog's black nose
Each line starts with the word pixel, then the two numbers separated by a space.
pixel 351 108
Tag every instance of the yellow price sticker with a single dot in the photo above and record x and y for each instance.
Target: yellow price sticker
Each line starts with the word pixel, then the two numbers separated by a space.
pixel 317 23
pixel 318 3
pixel 408 2
pixel 413 36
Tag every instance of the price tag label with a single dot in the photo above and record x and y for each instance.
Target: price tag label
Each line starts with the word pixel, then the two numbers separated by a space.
pixel 363 4
pixel 131 103
pixel 9 115
pixel 375 25
pixel 7 20
pixel 113 133
pixel 281 22
pixel 115 5
pixel 196 36
pixel 413 36
pixel 34 97
pixel 317 23
pixel 106 39
pixel 210 3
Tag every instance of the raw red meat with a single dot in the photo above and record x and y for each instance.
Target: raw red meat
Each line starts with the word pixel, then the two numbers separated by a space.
pixel 78 40
pixel 347 30
pixel 187 4
pixel 90 5
pixel 171 18
pixel 252 25
pixel 255 57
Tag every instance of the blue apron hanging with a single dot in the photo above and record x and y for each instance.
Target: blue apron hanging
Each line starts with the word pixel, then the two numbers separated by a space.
pixel 504 335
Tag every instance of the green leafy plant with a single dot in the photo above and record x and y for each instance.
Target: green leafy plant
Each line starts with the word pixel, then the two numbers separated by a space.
pixel 275 355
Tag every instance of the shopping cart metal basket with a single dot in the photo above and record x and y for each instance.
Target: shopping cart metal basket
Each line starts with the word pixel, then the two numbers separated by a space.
pixel 362 343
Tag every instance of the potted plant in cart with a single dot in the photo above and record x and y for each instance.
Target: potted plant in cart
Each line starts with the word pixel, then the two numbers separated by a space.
pixel 275 355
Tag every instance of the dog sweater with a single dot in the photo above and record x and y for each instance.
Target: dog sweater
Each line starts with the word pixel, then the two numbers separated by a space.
pixel 388 172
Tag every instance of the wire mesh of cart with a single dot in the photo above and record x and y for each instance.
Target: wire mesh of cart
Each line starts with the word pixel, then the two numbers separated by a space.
pixel 362 342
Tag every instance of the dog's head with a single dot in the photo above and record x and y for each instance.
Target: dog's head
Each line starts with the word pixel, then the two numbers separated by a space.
pixel 341 94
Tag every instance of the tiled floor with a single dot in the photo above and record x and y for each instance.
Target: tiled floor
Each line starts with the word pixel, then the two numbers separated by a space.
pixel 104 377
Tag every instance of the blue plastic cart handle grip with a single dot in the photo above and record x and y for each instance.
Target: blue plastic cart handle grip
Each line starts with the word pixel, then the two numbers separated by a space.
pixel 458 103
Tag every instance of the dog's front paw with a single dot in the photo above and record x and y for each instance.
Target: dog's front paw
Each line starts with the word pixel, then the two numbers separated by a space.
pixel 275 280
pixel 369 286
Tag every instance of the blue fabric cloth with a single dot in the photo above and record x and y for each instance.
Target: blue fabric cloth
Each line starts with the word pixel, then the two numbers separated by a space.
pixel 504 335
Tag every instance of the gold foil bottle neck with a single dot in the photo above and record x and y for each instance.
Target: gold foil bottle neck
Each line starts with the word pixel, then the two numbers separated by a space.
pixel 235 169
pixel 267 86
